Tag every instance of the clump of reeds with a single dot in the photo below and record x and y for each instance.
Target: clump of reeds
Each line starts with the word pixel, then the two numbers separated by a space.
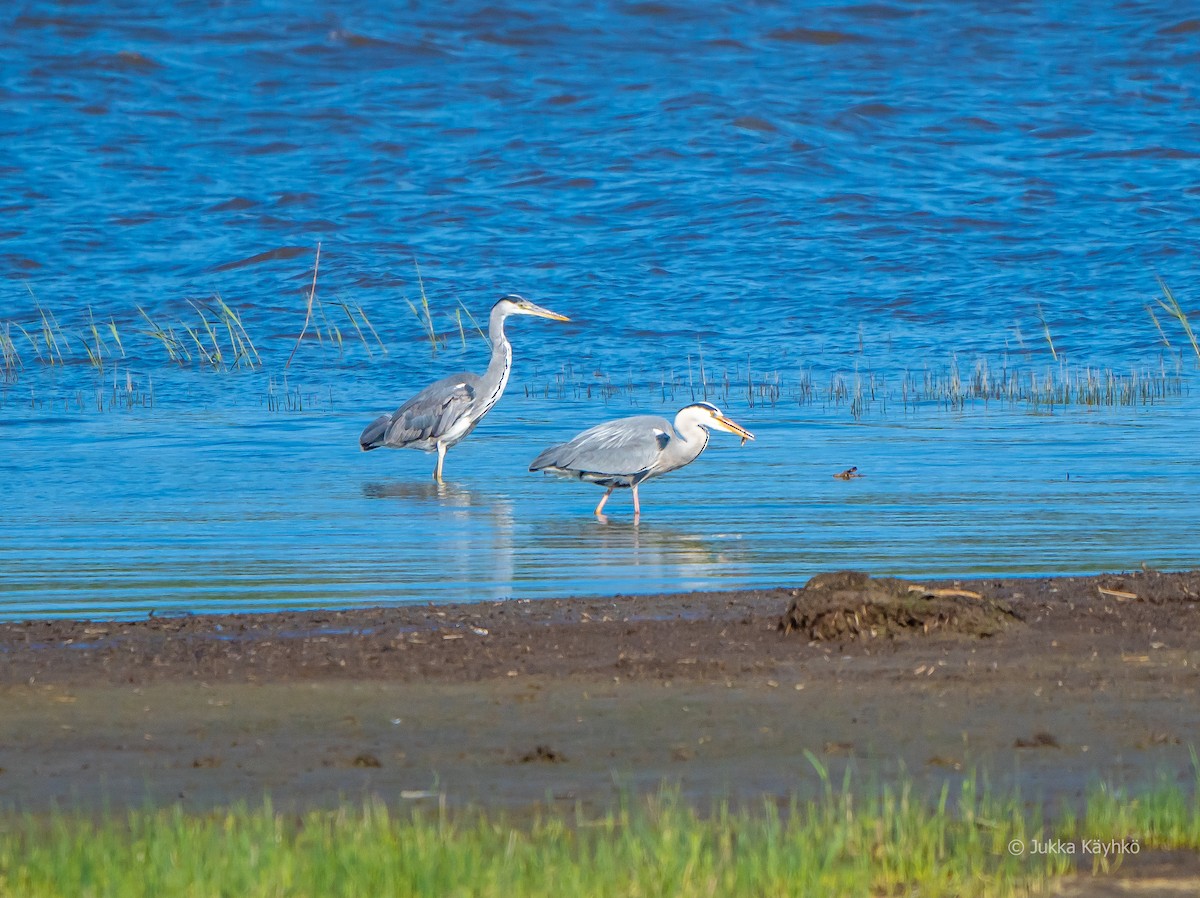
pixel 165 336
pixel 213 335
pixel 52 335
pixel 10 358
pixel 97 347
pixel 283 397
pixel 1038 389
pixel 128 392
pixel 218 341
pixel 330 331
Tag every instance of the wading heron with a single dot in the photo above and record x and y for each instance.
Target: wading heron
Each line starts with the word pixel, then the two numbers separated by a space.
pixel 442 414
pixel 625 452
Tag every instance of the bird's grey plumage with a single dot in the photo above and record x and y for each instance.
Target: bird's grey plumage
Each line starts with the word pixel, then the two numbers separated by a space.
pixel 429 415
pixel 621 452
pixel 442 414
pixel 625 452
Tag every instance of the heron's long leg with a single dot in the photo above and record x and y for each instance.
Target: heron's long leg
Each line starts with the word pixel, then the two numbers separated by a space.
pixel 437 472
pixel 637 506
pixel 600 507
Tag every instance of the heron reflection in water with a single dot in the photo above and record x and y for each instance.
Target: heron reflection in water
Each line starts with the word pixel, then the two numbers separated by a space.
pixel 443 413
pixel 447 540
pixel 623 453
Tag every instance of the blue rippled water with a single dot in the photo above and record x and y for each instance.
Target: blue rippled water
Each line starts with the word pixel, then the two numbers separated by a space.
pixel 825 218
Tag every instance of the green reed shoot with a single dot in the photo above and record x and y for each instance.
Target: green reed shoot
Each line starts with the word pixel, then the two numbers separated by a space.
pixel 31 339
pixel 312 295
pixel 1171 306
pixel 239 340
pixel 1161 333
pixel 462 309
pixel 1046 332
pixel 423 314
pixel 112 329
pixel 328 330
pixel 212 357
pixel 95 349
pixel 358 320
pixel 362 314
pixel 51 331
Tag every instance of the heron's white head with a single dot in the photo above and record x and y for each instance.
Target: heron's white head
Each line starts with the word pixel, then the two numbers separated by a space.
pixel 512 304
pixel 708 415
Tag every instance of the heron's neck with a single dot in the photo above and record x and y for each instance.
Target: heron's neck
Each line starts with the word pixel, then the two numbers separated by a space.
pixel 692 440
pixel 495 379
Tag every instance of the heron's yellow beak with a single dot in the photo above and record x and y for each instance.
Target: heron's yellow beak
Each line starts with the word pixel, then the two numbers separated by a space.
pixel 725 424
pixel 532 309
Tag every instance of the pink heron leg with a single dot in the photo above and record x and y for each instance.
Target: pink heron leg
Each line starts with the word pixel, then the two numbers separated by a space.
pixel 637 506
pixel 441 452
pixel 600 507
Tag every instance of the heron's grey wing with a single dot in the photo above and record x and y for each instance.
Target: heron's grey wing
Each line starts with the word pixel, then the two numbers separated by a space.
pixel 426 417
pixel 627 447
pixel 373 433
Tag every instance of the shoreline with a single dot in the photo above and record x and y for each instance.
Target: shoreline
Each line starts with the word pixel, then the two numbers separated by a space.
pixel 516 704
pixel 653 635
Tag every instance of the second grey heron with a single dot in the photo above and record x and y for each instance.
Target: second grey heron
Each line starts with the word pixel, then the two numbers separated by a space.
pixel 625 452
pixel 443 413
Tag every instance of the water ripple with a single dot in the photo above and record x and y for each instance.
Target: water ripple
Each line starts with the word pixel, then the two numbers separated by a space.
pixel 866 190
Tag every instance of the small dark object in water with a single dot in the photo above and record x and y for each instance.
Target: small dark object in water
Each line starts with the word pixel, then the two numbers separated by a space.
pixel 848 474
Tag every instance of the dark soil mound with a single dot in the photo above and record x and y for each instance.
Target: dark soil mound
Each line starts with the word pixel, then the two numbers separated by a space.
pixel 850 604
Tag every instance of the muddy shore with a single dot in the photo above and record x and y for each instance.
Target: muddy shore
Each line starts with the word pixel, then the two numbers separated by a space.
pixel 518 703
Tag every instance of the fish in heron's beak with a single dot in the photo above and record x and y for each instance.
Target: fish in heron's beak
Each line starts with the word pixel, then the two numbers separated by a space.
pixel 725 424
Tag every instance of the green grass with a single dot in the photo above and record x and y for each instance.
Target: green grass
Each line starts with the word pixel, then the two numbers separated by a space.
pixel 887 843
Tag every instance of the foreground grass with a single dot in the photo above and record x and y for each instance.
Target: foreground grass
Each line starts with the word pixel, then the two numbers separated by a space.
pixel 886 844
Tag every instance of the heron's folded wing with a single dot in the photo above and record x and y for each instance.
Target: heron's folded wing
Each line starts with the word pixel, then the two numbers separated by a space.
pixel 373 434
pixel 627 446
pixel 432 412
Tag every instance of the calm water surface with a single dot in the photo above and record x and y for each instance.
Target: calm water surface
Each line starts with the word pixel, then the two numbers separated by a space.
pixel 806 198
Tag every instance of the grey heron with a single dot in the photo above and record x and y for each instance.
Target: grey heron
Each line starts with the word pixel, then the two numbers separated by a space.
pixel 625 452
pixel 443 413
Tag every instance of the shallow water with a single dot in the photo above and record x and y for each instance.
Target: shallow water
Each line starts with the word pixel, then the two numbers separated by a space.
pixel 214 513
pixel 800 199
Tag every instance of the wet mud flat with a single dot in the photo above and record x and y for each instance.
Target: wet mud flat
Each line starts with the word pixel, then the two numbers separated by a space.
pixel 1052 684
